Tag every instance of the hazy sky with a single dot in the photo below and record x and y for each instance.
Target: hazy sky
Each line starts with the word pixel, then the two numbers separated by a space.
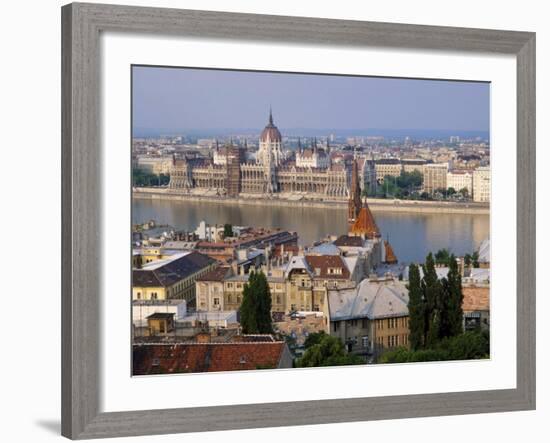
pixel 195 99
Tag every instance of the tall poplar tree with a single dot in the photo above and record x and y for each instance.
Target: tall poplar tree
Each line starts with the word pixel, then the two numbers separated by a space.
pixel 416 309
pixel 454 298
pixel 431 287
pixel 263 297
pixel 255 314
pixel 248 319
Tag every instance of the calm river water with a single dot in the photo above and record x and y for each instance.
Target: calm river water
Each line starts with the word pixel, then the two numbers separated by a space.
pixel 411 235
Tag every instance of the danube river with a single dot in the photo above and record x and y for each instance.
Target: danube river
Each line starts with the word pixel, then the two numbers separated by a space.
pixel 412 235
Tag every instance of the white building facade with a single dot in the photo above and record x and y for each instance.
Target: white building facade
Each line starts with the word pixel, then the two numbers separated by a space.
pixel 482 184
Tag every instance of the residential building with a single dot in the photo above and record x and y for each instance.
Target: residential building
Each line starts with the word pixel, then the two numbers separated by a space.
pixel 372 317
pixel 154 164
pixel 476 306
pixel 209 291
pixel 435 177
pixel 413 164
pixel 459 179
pixel 170 278
pixel 482 184
pixel 387 166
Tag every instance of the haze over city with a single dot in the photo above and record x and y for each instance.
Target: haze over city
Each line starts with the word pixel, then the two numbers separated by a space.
pixel 201 100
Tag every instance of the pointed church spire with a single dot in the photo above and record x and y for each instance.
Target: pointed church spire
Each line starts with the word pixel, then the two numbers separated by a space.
pixel 299 145
pixel 270 116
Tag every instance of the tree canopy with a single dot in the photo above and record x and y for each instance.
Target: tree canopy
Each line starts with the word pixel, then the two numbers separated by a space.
pixel 328 351
pixel 468 346
pixel 435 306
pixel 144 178
pixel 255 313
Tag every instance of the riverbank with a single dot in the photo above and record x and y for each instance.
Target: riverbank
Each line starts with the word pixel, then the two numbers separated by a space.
pixel 377 205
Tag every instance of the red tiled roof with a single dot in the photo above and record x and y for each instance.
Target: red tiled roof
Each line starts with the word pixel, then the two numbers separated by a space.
pixel 216 274
pixel 207 357
pixel 326 262
pixel 390 255
pixel 346 240
pixel 365 224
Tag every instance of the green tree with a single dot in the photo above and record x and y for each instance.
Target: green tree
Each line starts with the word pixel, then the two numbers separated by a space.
pixel 432 290
pixel 468 346
pixel 313 339
pixel 417 318
pixel 451 314
pixel 255 312
pixel 468 260
pixel 455 295
pixel 464 192
pixel 442 257
pixel 248 309
pixel 328 352
pixel 141 177
pixel 227 230
pixel 475 259
pixel 264 319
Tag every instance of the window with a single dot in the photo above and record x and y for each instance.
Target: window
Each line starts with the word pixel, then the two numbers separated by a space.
pixel 336 326
pixel 216 301
pixel 139 295
pixel 365 341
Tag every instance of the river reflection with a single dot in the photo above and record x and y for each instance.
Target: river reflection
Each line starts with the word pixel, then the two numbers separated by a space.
pixel 411 235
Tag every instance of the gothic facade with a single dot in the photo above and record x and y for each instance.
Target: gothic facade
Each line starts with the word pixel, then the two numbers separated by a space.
pixel 274 170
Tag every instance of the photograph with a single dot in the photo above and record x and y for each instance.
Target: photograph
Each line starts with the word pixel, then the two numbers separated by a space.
pixel 297 220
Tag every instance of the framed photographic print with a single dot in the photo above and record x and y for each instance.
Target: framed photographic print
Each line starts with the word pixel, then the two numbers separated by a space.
pixel 274 221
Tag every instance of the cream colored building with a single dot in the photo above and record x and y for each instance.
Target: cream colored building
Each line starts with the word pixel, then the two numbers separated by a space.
pixel 435 177
pixel 413 164
pixel 482 184
pixel 387 166
pixel 155 165
pixel 460 179
pixel 371 318
pixel 170 278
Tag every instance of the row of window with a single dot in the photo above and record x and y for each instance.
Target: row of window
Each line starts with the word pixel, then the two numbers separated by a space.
pixel 392 341
pixel 392 323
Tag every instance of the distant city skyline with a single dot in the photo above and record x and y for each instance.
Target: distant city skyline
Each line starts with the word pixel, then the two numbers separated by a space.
pixel 202 100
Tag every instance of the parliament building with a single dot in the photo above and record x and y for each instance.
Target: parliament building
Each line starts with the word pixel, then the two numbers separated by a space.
pixel 310 170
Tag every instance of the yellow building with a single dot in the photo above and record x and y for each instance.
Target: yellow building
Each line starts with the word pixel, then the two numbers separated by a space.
pixel 371 318
pixel 170 278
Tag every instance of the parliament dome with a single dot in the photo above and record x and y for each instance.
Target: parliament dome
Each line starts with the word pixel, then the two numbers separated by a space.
pixel 271 132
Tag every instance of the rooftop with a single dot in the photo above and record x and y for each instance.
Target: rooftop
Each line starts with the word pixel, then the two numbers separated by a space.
pixel 371 299
pixel 171 271
pixel 206 357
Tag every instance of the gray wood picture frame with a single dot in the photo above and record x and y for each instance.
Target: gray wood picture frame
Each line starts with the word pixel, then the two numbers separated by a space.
pixel 81 205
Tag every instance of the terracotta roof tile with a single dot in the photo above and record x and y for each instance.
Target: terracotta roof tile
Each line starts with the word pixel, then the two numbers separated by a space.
pixel 320 265
pixel 207 357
